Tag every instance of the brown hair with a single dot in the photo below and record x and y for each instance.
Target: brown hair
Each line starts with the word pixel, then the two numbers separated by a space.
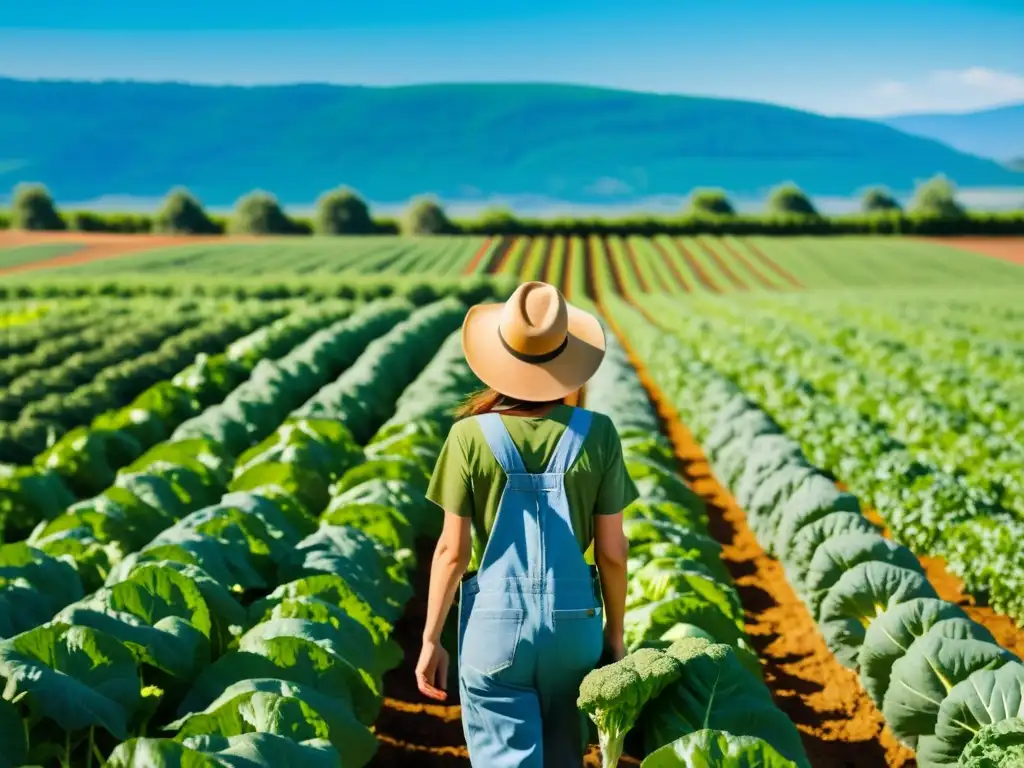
pixel 489 400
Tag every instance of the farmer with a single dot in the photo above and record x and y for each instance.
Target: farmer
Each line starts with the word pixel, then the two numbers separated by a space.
pixel 527 483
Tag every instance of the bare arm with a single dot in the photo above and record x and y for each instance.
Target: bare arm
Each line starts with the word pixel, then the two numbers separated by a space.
pixel 451 558
pixel 611 550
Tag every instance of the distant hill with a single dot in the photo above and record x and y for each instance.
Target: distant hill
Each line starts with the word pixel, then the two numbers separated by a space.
pixel 994 133
pixel 464 142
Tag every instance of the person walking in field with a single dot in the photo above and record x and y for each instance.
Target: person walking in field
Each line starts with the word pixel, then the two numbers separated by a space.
pixel 528 480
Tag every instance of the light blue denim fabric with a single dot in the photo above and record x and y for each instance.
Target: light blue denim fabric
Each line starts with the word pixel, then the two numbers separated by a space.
pixel 530 623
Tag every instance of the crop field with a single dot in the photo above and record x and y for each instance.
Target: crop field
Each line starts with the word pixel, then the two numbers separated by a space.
pixel 214 543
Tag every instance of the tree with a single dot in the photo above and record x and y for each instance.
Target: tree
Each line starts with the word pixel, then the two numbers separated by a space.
pixel 33 208
pixel 425 216
pixel 879 200
pixel 342 212
pixel 790 200
pixel 259 213
pixel 936 197
pixel 182 214
pixel 710 202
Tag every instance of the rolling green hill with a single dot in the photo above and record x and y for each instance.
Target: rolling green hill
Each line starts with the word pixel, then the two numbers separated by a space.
pixel 466 142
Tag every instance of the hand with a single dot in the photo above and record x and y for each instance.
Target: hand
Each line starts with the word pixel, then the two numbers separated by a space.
pixel 615 649
pixel 432 671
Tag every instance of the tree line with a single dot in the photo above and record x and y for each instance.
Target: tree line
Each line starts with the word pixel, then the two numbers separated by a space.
pixel 934 209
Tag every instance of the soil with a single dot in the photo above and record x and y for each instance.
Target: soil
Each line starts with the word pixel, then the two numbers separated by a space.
pixel 95 246
pixel 748 265
pixel 951 589
pixel 724 268
pixel 773 265
pixel 672 266
pixel 839 724
pixel 698 271
pixel 565 278
pixel 641 281
pixel 1006 248
pixel 479 256
pixel 500 259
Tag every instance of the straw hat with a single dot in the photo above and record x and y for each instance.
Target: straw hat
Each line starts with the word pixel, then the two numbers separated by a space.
pixel 535 346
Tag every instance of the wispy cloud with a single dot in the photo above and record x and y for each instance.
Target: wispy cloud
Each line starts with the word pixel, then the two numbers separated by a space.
pixel 954 90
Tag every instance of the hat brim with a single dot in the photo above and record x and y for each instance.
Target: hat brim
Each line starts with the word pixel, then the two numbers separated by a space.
pixel 535 382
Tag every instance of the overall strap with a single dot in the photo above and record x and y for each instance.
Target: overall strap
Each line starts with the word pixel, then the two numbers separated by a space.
pixel 571 442
pixel 500 443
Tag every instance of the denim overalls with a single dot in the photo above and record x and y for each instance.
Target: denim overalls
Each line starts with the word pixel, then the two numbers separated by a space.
pixel 530 624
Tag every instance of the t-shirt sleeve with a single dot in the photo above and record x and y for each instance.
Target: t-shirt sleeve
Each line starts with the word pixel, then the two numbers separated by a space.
pixel 451 485
pixel 617 489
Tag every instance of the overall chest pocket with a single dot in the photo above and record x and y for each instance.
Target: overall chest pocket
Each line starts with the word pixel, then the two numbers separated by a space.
pixel 490 639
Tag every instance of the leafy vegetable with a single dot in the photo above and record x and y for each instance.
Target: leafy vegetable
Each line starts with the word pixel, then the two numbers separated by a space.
pixel 997 745
pixel 716 749
pixel 613 696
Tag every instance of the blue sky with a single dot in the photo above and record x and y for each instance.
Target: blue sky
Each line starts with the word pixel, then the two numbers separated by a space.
pixel 858 58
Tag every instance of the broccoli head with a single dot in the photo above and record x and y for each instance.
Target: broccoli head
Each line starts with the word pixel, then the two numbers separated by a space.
pixel 613 696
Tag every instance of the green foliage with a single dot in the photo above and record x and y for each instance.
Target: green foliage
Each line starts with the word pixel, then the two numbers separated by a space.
pixel 998 745
pixel 425 216
pixel 32 208
pixel 716 749
pixel 937 197
pixel 613 696
pixel 342 212
pixel 182 214
pixel 259 213
pixel 879 200
pixel 790 200
pixel 710 202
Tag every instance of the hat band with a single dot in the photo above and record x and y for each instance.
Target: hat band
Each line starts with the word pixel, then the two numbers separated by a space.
pixel 523 357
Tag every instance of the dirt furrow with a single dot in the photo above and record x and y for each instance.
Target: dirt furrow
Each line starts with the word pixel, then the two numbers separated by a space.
pixel 698 271
pixel 722 266
pixel 479 256
pixel 839 724
pixel 634 264
pixel 747 265
pixel 773 265
pixel 672 266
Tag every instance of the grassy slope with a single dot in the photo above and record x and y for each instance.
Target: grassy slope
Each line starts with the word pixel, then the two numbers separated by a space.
pixel 569 142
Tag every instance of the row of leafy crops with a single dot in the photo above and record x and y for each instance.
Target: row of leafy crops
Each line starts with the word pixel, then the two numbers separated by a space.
pixel 60 401
pixel 253 630
pixel 928 507
pixel 939 678
pixel 84 461
pixel 690 688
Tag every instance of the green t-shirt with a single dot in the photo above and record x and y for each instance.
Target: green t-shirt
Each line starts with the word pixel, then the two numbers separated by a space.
pixel 468 481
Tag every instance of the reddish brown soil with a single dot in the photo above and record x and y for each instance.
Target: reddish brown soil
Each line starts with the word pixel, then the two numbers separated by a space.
pixel 769 262
pixel 479 256
pixel 662 284
pixel 641 281
pixel 95 246
pixel 565 278
pixel 722 266
pixel 698 271
pixel 547 260
pixel 672 266
pixel 620 286
pixel 748 265
pixel 589 279
pixel 500 259
pixel 951 588
pixel 1005 248
pixel 839 724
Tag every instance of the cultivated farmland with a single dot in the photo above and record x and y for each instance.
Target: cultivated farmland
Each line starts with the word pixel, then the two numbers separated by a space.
pixel 215 542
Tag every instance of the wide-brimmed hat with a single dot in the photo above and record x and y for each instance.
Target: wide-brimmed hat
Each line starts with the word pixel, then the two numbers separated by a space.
pixel 536 346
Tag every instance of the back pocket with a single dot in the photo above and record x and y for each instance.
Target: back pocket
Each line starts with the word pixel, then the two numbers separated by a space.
pixel 491 638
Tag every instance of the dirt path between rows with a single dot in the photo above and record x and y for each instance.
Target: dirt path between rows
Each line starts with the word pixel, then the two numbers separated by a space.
pixel 95 246
pixel 839 724
pixel 771 264
pixel 481 253
pixel 1006 248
